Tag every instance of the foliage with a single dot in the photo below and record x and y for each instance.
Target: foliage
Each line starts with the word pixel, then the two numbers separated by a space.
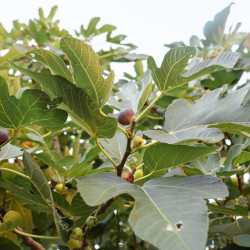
pixel 188 141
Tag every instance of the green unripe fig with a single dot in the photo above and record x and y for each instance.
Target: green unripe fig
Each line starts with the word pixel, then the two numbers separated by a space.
pixel 77 233
pixel 3 136
pixel 125 116
pixel 128 177
pixel 13 216
pixel 73 244
pixel 91 221
pixel 59 188
pixel 138 141
pixel 138 174
pixel 48 172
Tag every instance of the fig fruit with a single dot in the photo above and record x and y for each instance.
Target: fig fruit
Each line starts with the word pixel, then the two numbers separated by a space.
pixel 138 141
pixel 28 144
pixel 73 244
pixel 77 233
pixel 3 136
pixel 128 177
pixel 48 172
pixel 13 216
pixel 59 188
pixel 138 174
pixel 91 221
pixel 125 116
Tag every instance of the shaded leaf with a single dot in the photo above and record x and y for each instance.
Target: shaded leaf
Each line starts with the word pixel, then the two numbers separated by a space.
pixel 237 211
pixel 159 158
pixel 204 119
pixel 81 107
pixel 242 240
pixel 53 61
pixel 32 108
pixel 175 214
pixel 8 244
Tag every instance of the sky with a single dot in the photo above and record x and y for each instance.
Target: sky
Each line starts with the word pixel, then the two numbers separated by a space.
pixel 149 24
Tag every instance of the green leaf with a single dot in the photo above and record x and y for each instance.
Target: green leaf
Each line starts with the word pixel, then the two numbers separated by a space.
pixel 8 244
pixel 79 105
pixel 170 74
pixel 159 158
pixel 175 212
pixel 53 61
pixel 87 70
pixel 237 211
pixel 207 166
pixel 214 30
pixel 10 151
pixel 222 77
pixel 41 184
pixel 129 96
pixel 26 195
pixel 241 226
pixel 204 119
pixel 34 107
pixel 225 59
pixel 10 223
pixel 242 240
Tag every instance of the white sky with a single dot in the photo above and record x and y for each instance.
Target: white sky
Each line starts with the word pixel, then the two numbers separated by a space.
pixel 149 24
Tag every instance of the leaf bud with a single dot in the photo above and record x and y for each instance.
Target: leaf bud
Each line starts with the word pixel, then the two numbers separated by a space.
pixel 92 221
pixel 138 141
pixel 128 177
pixel 125 116
pixel 3 136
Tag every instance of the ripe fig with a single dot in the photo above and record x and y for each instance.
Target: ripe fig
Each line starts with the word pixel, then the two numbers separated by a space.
pixel 125 116
pixel 138 141
pixel 73 244
pixel 3 136
pixel 138 174
pixel 77 233
pixel 128 177
pixel 91 221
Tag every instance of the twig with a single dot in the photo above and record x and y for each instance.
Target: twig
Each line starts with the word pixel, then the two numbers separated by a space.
pixel 28 241
pixel 135 242
pixel 118 231
pixel 128 149
pixel 56 145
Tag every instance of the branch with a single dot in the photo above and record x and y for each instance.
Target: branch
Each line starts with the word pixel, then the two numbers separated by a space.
pixel 128 149
pixel 28 241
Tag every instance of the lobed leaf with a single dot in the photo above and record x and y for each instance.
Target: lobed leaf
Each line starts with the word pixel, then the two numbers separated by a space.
pixel 159 158
pixel 79 105
pixel 33 108
pixel 87 70
pixel 204 119
pixel 175 211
